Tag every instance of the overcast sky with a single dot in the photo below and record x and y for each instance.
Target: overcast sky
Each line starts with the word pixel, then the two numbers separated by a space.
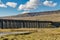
pixel 14 7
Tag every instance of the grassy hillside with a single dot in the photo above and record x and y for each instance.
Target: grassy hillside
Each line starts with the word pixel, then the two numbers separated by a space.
pixel 51 17
pixel 44 16
pixel 40 34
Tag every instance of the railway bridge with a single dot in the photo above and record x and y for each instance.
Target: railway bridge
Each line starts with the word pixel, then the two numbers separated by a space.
pixel 7 23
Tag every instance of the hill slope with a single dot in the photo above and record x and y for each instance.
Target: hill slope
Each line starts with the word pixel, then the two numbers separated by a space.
pixel 44 16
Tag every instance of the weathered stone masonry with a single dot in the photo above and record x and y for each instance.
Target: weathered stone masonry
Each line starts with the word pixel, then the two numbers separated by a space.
pixel 5 23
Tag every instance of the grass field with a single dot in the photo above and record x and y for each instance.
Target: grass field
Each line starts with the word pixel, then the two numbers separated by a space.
pixel 50 17
pixel 39 34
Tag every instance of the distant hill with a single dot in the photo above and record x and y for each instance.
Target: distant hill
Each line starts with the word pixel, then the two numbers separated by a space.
pixel 44 16
pixel 37 13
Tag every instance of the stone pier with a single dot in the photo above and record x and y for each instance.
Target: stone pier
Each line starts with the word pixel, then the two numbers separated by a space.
pixel 4 23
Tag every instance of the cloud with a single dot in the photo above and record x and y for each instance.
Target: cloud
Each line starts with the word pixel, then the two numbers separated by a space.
pixel 3 6
pixel 49 3
pixel 31 4
pixel 34 4
pixel 25 12
pixel 11 4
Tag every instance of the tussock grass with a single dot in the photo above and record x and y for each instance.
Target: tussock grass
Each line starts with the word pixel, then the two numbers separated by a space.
pixel 40 34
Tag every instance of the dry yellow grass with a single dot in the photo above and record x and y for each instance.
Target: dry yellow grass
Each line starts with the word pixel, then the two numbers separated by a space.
pixel 19 29
pixel 40 34
pixel 51 17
